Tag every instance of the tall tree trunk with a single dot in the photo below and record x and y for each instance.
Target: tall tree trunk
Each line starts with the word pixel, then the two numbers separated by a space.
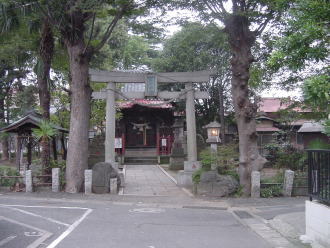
pixel 222 114
pixel 46 51
pixel 241 40
pixel 77 157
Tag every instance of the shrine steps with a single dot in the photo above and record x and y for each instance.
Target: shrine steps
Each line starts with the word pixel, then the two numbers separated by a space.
pixel 141 155
pixel 141 160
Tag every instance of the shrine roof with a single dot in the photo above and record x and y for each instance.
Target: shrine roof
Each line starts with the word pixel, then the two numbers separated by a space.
pixel 267 129
pixel 149 103
pixel 311 127
pixel 273 105
pixel 29 121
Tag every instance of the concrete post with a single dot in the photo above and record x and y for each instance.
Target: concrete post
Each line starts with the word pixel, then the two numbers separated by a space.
pixel 288 183
pixel 122 178
pixel 110 124
pixel 113 186
pixel 191 123
pixel 28 181
pixel 55 179
pixel 88 181
pixel 255 184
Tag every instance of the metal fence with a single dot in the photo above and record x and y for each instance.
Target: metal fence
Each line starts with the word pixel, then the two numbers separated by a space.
pixel 319 175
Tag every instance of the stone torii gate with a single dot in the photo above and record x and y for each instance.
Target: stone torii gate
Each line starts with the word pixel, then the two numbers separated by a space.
pixel 151 81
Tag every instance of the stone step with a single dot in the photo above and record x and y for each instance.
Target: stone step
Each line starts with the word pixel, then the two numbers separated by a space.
pixel 141 152
pixel 141 160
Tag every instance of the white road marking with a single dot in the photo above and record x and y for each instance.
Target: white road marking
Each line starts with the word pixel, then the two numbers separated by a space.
pixel 36 243
pixel 147 210
pixel 41 206
pixel 32 234
pixel 37 215
pixel 63 235
pixel 69 230
pixel 6 240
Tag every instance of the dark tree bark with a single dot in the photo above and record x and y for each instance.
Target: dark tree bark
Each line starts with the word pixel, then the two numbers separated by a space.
pixel 222 114
pixel 80 110
pixel 63 147
pixel 241 40
pixel 46 52
pixel 18 152
pixel 54 149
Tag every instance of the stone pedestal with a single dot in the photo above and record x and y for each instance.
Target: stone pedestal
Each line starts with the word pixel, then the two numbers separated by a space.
pixel 28 181
pixel 88 181
pixel 255 184
pixel 102 172
pixel 113 186
pixel 288 182
pixel 184 177
pixel 56 180
pixel 122 178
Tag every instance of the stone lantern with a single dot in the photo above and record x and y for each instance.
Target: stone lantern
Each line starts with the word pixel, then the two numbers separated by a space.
pixel 213 131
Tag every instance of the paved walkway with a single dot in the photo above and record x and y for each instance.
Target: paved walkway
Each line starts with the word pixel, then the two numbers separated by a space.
pixel 149 180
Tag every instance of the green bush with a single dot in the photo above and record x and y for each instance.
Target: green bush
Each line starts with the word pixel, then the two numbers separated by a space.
pixel 271 191
pixel 318 144
pixel 286 156
pixel 225 159
pixel 278 178
pixel 8 171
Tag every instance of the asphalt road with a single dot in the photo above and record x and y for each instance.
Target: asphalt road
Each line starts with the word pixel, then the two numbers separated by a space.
pixel 64 223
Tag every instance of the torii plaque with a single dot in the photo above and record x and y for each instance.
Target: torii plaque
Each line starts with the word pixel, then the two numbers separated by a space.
pixel 152 80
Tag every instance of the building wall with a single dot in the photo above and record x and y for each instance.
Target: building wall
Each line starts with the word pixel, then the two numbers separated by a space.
pixel 308 137
pixel 318 222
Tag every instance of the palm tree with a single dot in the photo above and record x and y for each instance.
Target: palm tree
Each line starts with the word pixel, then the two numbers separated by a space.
pixel 13 16
pixel 44 133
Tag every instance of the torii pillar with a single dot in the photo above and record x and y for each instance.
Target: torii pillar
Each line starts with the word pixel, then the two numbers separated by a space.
pixel 185 176
pixel 110 133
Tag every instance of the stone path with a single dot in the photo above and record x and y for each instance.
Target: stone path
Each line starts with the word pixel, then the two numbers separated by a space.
pixel 149 180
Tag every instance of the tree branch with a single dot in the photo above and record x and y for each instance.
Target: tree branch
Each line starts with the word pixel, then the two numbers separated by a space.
pixel 263 25
pixel 91 34
pixel 108 32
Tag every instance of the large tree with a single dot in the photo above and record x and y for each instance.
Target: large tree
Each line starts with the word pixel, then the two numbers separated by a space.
pixel 243 22
pixel 200 47
pixel 78 24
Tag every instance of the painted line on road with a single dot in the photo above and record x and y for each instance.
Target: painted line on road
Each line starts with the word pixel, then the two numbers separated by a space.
pixel 6 240
pixel 36 243
pixel 41 206
pixel 37 215
pixel 69 230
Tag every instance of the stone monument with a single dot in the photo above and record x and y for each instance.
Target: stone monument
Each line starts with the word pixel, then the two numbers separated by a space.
pixel 102 172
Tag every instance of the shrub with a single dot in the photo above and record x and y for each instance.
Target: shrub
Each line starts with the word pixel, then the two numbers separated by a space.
pixel 286 156
pixel 8 171
pixel 225 159
pixel 278 178
pixel 318 144
pixel 271 191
